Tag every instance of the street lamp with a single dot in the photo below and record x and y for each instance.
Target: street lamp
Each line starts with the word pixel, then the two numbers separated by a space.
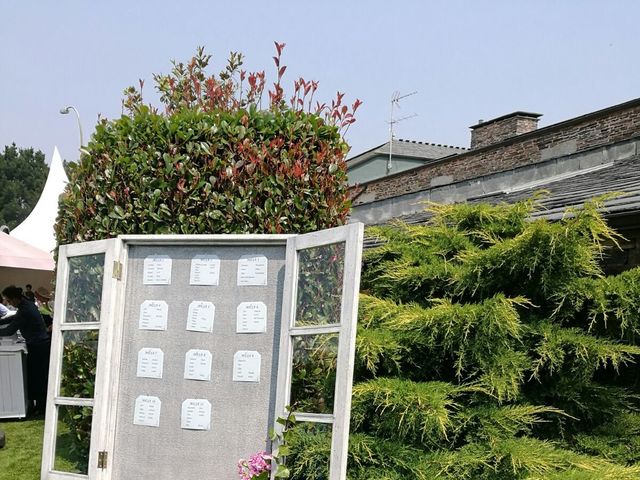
pixel 66 110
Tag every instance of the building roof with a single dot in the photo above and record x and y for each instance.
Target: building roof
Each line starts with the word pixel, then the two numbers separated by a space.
pixel 519 113
pixel 622 177
pixel 565 191
pixel 408 148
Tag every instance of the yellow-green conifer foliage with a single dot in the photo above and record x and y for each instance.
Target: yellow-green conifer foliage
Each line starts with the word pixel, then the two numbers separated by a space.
pixel 492 346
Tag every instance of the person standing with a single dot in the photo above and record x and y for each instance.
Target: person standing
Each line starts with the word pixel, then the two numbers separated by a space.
pixel 28 320
pixel 4 311
pixel 29 293
pixel 43 297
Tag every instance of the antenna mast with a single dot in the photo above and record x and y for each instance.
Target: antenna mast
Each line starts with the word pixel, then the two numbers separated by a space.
pixel 395 100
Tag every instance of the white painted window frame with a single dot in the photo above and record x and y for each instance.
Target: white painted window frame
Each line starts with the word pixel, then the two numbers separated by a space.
pixel 111 337
pixel 110 248
pixel 352 236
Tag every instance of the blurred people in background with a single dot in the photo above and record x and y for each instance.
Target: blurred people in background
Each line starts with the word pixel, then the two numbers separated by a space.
pixel 28 320
pixel 3 310
pixel 43 299
pixel 6 310
pixel 29 292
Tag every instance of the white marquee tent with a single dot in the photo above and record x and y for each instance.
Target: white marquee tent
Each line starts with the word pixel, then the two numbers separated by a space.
pixel 37 228
pixel 21 263
pixel 26 253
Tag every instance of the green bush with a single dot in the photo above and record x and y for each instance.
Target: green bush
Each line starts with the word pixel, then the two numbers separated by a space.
pixel 491 346
pixel 212 161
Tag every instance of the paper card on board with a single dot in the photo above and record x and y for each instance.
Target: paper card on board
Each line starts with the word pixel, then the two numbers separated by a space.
pixel 157 270
pixel 246 366
pixel 251 317
pixel 153 315
pixel 147 411
pixel 205 270
pixel 150 363
pixel 197 365
pixel 196 414
pixel 201 316
pixel 252 270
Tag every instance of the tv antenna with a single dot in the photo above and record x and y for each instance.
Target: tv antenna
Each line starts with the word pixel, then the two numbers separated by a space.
pixel 395 101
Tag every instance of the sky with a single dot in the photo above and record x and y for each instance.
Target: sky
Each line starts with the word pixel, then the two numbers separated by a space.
pixel 468 60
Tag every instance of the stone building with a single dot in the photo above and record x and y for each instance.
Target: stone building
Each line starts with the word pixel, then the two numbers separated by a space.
pixel 510 159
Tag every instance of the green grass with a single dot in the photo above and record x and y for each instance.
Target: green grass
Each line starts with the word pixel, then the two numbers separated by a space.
pixel 20 458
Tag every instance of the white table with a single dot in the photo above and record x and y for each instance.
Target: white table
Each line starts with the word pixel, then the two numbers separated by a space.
pixel 13 379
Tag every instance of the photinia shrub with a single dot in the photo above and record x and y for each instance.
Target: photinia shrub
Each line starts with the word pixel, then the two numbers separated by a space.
pixel 213 160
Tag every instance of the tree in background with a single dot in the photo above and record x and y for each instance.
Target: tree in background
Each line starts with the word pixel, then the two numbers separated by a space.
pixel 217 158
pixel 23 173
pixel 491 346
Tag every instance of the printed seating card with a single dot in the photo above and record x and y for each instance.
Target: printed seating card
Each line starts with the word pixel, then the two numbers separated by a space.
pixel 205 270
pixel 197 365
pixel 246 366
pixel 147 411
pixel 196 414
pixel 150 362
pixel 153 315
pixel 201 316
pixel 251 317
pixel 252 270
pixel 157 270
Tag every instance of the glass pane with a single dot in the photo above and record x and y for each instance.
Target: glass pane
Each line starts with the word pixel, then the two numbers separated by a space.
pixel 320 274
pixel 310 451
pixel 79 361
pixel 313 379
pixel 72 439
pixel 85 288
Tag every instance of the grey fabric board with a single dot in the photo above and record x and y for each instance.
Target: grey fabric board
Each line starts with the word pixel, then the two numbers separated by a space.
pixel 241 413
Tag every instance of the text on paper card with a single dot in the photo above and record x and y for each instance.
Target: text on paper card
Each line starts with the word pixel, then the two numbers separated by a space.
pixel 153 315
pixel 157 270
pixel 150 363
pixel 205 270
pixel 252 270
pixel 196 414
pixel 201 316
pixel 251 317
pixel 197 365
pixel 147 411
pixel 246 366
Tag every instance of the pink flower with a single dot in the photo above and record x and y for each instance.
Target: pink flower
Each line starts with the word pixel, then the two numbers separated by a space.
pixel 258 463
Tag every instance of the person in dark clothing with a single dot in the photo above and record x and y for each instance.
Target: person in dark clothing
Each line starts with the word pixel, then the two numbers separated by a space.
pixel 31 325
pixel 29 293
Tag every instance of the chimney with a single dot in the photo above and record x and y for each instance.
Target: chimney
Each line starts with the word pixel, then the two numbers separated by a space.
pixel 501 128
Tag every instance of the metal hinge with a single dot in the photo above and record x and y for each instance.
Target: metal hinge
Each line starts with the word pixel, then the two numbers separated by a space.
pixel 117 270
pixel 102 460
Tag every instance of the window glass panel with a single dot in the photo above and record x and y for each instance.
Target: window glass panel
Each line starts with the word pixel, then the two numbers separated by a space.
pixel 314 372
pixel 84 293
pixel 320 275
pixel 79 361
pixel 310 451
pixel 72 439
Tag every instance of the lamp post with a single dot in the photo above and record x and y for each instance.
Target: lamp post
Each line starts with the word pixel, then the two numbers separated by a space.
pixel 66 110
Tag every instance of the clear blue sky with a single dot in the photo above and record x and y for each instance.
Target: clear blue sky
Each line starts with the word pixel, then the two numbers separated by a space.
pixel 467 59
